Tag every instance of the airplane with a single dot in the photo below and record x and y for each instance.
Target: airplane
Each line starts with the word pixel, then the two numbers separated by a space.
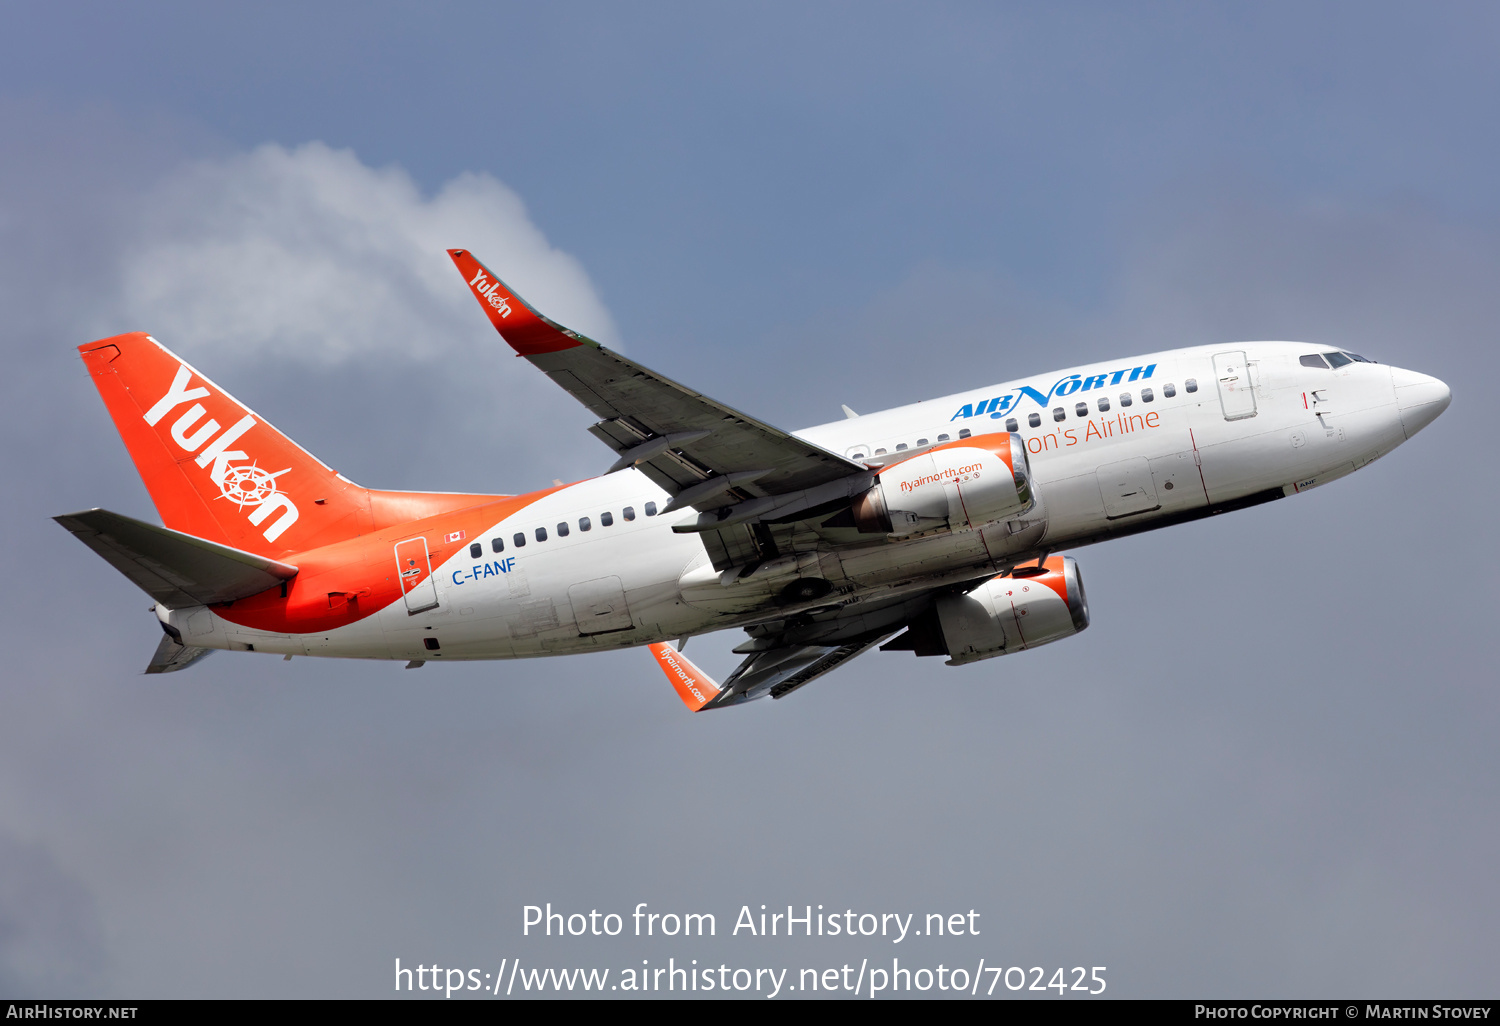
pixel 931 528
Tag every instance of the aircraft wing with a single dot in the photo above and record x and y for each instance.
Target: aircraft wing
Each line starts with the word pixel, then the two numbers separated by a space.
pixel 773 671
pixel 708 456
pixel 783 655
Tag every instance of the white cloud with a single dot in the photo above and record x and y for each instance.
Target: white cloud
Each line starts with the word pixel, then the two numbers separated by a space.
pixel 308 254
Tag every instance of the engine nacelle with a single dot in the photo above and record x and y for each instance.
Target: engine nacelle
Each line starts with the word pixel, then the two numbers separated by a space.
pixel 1030 607
pixel 959 487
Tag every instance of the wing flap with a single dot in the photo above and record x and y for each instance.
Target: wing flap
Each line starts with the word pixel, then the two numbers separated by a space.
pixel 780 671
pixel 174 568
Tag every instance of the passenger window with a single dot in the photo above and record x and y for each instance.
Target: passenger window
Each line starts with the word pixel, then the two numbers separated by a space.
pixel 606 519
pixel 650 509
pixel 964 432
pixel 1168 390
pixel 1125 399
pixel 1081 410
pixel 1035 420
pixel 1147 395
pixel 629 512
pixel 584 524
pixel 1011 425
pixel 921 441
pixel 900 446
pixel 1104 404
pixel 1313 360
pixel 562 529
pixel 497 544
pixel 1059 414
pixel 879 452
pixel 541 534
pixel 857 456
pixel 1192 384
pixel 519 539
pixel 476 550
pixel 942 438
pixel 1337 360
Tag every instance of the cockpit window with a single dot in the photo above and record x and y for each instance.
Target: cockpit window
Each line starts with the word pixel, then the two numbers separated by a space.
pixel 1337 360
pixel 1357 358
pixel 1313 360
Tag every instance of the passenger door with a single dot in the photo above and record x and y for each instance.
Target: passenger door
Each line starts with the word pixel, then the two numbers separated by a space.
pixel 415 574
pixel 1236 391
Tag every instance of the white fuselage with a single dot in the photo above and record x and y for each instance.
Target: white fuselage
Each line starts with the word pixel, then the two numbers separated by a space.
pixel 1114 448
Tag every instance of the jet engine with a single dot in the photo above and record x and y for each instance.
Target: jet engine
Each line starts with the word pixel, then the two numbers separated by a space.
pixel 957 487
pixel 1031 606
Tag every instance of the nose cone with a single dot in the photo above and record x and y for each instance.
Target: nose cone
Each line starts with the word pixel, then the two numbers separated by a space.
pixel 1420 398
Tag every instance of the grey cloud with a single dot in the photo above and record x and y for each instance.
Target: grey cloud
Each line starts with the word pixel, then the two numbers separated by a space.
pixel 51 937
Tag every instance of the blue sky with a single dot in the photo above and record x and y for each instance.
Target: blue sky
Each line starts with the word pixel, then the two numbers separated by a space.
pixel 1266 769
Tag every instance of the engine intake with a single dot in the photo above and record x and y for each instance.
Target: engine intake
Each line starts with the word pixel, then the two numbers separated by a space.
pixel 958 487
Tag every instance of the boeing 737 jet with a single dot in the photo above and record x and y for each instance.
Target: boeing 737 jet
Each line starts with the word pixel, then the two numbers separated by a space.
pixel 928 529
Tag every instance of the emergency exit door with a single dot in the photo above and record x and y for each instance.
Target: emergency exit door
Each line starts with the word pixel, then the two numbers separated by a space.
pixel 415 574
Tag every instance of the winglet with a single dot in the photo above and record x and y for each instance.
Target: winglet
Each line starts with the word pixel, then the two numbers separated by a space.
pixel 694 687
pixel 528 332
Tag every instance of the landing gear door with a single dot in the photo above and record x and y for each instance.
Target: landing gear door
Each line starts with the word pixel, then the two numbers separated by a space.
pixel 1236 390
pixel 415 574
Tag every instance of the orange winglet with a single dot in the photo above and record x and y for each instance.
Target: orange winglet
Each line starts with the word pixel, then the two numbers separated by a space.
pixel 528 332
pixel 694 687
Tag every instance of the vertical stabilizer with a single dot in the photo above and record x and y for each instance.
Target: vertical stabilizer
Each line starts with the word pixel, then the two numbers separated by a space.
pixel 214 468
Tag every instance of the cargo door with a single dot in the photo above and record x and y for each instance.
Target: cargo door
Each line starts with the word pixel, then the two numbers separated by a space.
pixel 415 574
pixel 1179 480
pixel 1236 391
pixel 599 606
pixel 1127 488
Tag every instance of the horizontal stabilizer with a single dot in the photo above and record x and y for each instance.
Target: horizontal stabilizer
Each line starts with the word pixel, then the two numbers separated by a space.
pixel 174 568
pixel 171 657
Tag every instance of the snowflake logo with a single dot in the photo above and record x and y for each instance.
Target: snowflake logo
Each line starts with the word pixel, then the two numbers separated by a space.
pixel 249 485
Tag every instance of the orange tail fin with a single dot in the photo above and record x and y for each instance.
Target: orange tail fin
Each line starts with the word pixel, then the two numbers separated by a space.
pixel 213 468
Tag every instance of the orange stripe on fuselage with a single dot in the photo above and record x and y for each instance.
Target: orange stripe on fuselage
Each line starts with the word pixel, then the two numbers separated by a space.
pixel 351 580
